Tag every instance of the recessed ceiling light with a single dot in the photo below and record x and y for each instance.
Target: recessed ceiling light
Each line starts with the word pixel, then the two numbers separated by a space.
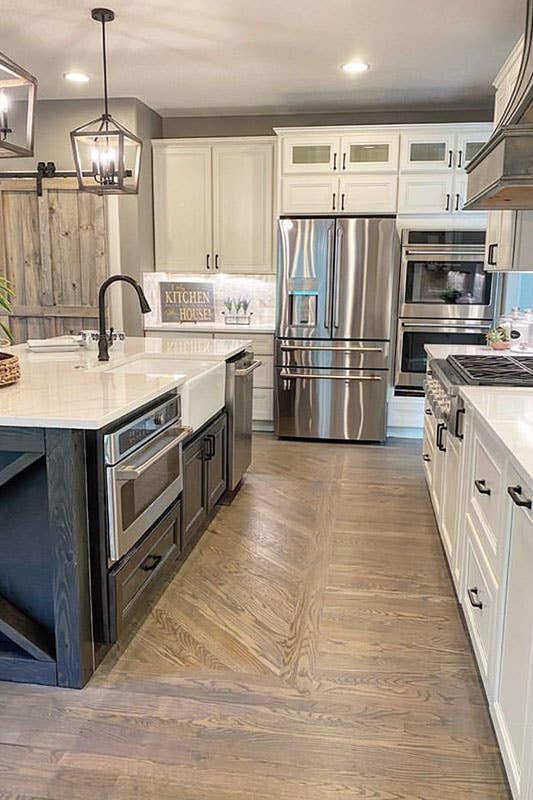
pixel 355 66
pixel 76 77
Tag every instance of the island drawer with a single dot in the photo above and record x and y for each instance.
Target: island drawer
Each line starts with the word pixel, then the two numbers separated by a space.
pixel 130 580
pixel 485 492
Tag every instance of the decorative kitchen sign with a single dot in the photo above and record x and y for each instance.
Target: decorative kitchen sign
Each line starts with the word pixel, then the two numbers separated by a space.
pixel 187 302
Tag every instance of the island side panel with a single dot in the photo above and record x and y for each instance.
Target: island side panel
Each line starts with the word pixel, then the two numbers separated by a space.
pixel 69 526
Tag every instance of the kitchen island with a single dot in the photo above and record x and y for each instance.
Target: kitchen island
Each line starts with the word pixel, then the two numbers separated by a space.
pixel 478 461
pixel 64 597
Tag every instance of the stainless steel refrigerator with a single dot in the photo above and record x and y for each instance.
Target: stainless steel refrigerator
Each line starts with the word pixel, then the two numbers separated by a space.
pixel 334 317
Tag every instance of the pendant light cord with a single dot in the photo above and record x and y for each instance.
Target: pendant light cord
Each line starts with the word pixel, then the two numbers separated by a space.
pixel 104 60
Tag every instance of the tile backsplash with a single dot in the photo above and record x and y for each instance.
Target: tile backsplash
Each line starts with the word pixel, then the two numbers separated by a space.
pixel 261 290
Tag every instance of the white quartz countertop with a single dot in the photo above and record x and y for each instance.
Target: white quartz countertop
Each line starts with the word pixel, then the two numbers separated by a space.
pixel 213 327
pixel 445 350
pixel 75 390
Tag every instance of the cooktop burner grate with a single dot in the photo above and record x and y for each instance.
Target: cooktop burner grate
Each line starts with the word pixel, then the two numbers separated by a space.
pixel 504 370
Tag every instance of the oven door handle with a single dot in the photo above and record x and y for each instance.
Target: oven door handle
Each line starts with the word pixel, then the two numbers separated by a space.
pixel 446 328
pixel 133 471
pixel 447 255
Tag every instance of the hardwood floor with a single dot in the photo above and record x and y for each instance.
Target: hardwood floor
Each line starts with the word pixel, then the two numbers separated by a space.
pixel 309 649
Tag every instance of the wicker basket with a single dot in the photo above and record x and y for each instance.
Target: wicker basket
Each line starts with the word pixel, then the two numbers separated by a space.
pixel 9 369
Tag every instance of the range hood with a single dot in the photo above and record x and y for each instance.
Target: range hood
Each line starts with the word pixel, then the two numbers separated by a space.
pixel 500 176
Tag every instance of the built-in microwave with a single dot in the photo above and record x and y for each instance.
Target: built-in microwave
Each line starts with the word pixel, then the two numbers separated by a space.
pixel 442 276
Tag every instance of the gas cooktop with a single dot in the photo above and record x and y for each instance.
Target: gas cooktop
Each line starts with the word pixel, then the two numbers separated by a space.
pixel 503 370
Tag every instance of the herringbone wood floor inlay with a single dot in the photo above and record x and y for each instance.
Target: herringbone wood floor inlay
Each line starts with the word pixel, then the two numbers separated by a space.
pixel 310 648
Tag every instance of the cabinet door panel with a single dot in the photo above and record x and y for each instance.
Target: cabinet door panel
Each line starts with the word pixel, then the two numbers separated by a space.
pixel 514 691
pixel 319 154
pixel 427 152
pixel 242 207
pixel 194 494
pixel 370 194
pixel 425 194
pixel 308 194
pixel 469 144
pixel 217 463
pixel 373 152
pixel 182 208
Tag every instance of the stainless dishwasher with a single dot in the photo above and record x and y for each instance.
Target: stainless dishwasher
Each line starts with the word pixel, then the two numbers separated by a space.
pixel 239 397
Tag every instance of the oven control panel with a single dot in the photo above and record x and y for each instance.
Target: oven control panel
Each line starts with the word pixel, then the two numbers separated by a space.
pixel 133 434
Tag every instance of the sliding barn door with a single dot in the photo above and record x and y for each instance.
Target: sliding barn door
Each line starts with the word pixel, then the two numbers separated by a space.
pixel 53 250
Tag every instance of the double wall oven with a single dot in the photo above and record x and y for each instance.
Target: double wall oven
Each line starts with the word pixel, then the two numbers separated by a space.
pixel 446 297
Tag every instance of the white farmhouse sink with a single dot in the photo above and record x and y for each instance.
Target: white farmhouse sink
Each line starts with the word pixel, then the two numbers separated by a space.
pixel 202 394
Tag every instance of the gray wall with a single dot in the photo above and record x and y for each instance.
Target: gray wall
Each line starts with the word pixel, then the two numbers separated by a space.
pixel 261 125
pixel 54 119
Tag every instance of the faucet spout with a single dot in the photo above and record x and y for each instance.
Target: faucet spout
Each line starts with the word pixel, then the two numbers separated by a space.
pixel 103 341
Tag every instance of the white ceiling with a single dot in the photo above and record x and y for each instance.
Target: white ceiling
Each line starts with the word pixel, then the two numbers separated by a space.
pixel 185 57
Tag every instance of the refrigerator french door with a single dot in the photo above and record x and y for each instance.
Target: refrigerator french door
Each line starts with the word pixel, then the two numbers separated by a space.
pixel 335 293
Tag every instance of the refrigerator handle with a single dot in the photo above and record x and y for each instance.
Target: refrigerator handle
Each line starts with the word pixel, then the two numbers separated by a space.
pixel 336 279
pixel 329 279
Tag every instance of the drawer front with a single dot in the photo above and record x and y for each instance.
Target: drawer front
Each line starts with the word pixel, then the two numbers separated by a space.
pixel 264 375
pixel 129 580
pixel 485 492
pixel 263 404
pixel 262 344
pixel 478 603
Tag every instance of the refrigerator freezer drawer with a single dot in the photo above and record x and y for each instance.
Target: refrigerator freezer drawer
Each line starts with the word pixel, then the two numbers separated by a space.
pixel 331 404
pixel 330 353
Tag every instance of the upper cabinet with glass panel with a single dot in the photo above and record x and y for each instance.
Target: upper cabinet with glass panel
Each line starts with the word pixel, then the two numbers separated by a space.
pixel 427 152
pixel 370 152
pixel 314 153
pixel 469 144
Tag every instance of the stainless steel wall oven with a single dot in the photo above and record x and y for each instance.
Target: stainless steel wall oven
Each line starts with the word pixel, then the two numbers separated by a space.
pixel 445 297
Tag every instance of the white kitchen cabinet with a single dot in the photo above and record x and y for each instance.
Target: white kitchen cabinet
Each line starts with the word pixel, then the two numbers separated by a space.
pixel 469 144
pixel 450 499
pixel 318 153
pixel 427 151
pixel 183 223
pixel 370 152
pixel 425 194
pixel 368 194
pixel 213 205
pixel 310 194
pixel 509 241
pixel 513 706
pixel 242 208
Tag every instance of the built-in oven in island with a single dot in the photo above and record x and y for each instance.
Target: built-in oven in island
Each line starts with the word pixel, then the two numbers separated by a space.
pixel 445 297
pixel 144 474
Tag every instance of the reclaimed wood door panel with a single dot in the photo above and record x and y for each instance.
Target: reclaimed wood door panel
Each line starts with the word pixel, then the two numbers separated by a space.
pixel 53 249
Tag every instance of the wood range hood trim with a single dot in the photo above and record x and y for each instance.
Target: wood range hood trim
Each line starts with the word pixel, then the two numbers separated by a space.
pixel 500 176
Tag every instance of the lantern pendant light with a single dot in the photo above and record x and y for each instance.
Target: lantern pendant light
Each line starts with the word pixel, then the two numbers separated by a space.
pixel 106 154
pixel 17 107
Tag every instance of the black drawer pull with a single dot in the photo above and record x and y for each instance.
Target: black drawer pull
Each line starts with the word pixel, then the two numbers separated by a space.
pixel 473 597
pixel 441 427
pixel 516 493
pixel 426 457
pixel 428 412
pixel 481 486
pixel 151 562
pixel 457 418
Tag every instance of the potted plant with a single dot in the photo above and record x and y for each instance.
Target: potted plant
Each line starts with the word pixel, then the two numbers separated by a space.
pixel 9 364
pixel 498 338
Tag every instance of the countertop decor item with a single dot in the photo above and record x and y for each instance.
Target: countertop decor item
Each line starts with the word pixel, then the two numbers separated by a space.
pixel 498 339
pixel 107 155
pixel 9 369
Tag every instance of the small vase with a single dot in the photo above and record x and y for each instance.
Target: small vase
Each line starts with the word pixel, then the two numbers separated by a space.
pixel 500 345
